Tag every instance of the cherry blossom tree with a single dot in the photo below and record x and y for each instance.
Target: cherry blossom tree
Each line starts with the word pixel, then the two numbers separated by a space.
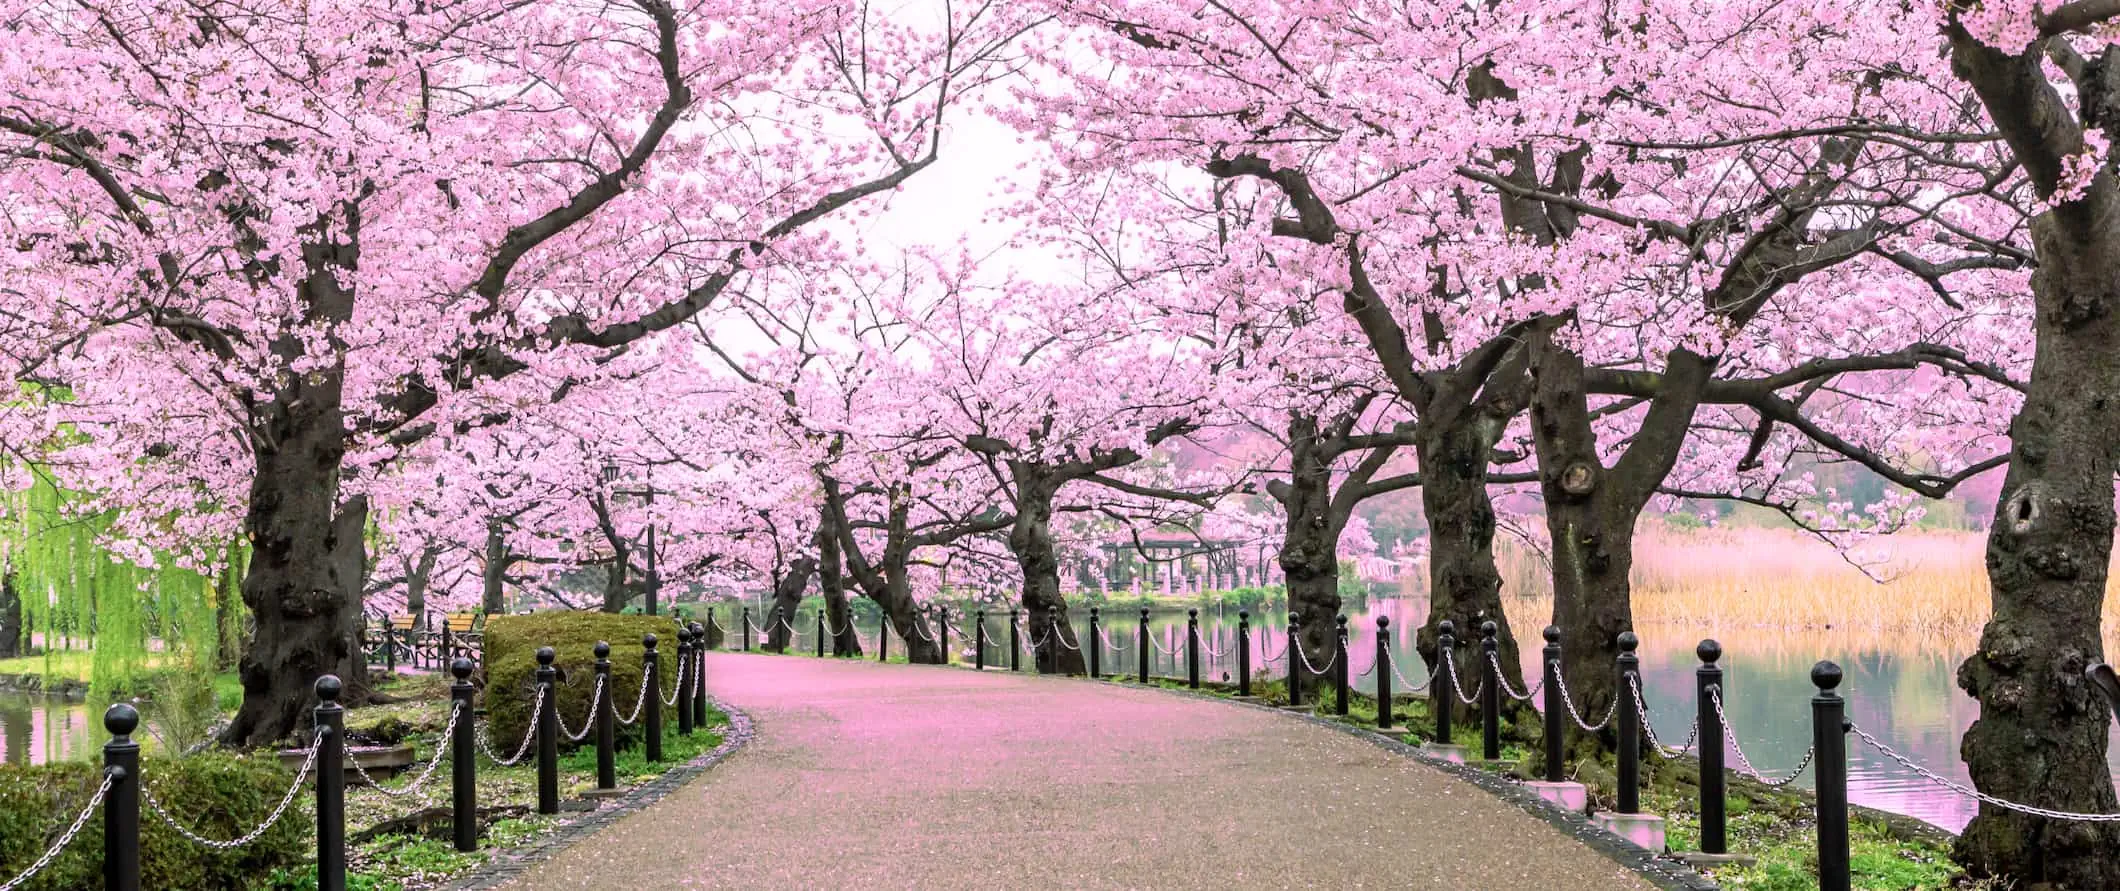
pixel 324 258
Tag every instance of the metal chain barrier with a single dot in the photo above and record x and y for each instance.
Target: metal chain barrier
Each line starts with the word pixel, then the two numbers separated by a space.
pixel 52 853
pixel 1406 685
pixel 1976 794
pixel 639 703
pixel 1459 686
pixel 675 689
pixel 1063 638
pixel 1656 745
pixel 596 697
pixel 1568 700
pixel 1265 652
pixel 834 633
pixel 1159 647
pixel 308 764
pixel 1366 671
pixel 1745 764
pixel 1508 690
pixel 441 747
pixel 1314 669
pixel 529 734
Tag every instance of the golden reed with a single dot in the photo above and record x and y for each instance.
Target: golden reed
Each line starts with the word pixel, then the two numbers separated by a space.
pixel 1914 589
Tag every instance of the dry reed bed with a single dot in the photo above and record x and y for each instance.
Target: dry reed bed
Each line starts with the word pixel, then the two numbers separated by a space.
pixel 1914 590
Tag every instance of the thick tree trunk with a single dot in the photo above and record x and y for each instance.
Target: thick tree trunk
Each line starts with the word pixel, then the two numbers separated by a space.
pixel 838 618
pixel 492 577
pixel 1310 550
pixel 1464 586
pixel 922 645
pixel 1030 538
pixel 416 578
pixel 10 619
pixel 787 596
pixel 2041 736
pixel 305 578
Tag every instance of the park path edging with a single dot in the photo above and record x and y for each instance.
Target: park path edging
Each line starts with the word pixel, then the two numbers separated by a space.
pixel 503 866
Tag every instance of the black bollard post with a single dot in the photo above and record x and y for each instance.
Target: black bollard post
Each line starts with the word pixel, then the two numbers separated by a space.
pixel 1556 732
pixel 1243 652
pixel 942 630
pixel 979 641
pixel 1383 670
pixel 1096 646
pixel 820 632
pixel 699 679
pixel 747 629
pixel 1143 658
pixel 1192 648
pixel 331 785
pixel 684 681
pixel 1829 740
pixel 1714 833
pixel 1444 676
pixel 606 721
pixel 463 758
pixel 1490 694
pixel 1295 661
pixel 1015 642
pixel 121 805
pixel 651 670
pixel 1052 633
pixel 1630 727
pixel 1340 674
pixel 547 718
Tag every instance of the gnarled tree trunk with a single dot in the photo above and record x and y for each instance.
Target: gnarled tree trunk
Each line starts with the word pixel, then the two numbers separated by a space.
pixel 839 620
pixel 493 575
pixel 2041 736
pixel 1464 587
pixel 787 596
pixel 10 619
pixel 1030 539
pixel 1310 550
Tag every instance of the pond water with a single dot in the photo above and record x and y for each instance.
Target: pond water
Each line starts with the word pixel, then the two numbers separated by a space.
pixel 37 729
pixel 1899 688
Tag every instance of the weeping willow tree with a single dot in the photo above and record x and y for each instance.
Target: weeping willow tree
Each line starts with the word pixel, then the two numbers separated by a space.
pixel 76 595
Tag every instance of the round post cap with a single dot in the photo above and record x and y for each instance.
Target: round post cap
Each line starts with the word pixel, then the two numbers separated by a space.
pixel 121 719
pixel 1383 622
pixel 545 655
pixel 1709 651
pixel 1627 642
pixel 1553 634
pixel 1825 675
pixel 462 668
pixel 329 687
pixel 602 650
pixel 1446 627
pixel 648 640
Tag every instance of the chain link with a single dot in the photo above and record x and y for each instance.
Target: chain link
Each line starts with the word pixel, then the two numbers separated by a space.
pixel 1265 654
pixel 1450 667
pixel 300 776
pixel 676 689
pixel 1410 687
pixel 529 733
pixel 412 788
pixel 596 697
pixel 1366 671
pixel 1641 711
pixel 638 703
pixel 1976 794
pixel 1314 669
pixel 1503 678
pixel 51 853
pixel 1568 700
pixel 1745 764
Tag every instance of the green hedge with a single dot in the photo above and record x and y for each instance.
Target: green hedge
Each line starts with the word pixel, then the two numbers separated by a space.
pixel 511 664
pixel 216 795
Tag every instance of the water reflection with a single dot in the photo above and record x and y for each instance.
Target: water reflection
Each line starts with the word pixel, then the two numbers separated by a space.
pixel 38 729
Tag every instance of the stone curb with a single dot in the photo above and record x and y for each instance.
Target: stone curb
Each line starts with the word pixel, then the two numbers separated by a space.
pixel 1664 873
pixel 506 865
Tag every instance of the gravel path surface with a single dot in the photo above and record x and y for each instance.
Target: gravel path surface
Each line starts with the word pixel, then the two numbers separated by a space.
pixel 880 776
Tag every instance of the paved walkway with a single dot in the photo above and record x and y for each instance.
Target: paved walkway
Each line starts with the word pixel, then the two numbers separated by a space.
pixel 879 776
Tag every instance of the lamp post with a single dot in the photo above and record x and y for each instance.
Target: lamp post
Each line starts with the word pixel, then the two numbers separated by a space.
pixel 647 494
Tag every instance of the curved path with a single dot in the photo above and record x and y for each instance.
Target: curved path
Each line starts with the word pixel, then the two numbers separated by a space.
pixel 879 776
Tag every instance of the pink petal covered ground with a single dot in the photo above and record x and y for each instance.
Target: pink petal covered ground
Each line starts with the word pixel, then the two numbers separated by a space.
pixel 880 776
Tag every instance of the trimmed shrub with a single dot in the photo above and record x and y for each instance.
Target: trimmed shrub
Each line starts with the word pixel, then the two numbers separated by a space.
pixel 511 668
pixel 216 795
